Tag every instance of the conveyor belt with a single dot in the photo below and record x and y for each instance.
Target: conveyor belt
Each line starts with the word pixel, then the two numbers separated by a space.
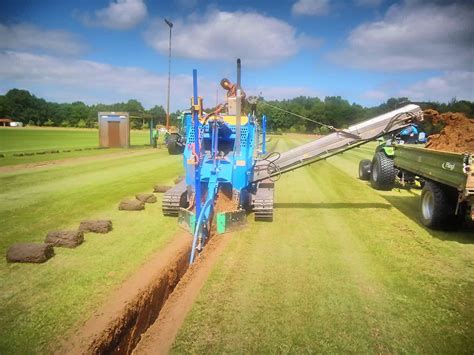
pixel 338 142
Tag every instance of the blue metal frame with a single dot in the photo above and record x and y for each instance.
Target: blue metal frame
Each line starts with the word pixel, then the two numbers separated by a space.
pixel 204 166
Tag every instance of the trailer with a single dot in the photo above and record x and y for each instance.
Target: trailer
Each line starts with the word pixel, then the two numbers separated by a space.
pixel 447 180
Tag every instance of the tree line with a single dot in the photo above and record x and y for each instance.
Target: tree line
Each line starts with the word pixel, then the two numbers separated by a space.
pixel 22 106
pixel 340 113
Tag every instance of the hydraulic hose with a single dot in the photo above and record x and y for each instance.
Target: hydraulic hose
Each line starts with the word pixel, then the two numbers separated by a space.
pixel 198 228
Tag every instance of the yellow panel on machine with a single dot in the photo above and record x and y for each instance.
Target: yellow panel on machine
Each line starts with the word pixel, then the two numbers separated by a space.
pixel 231 119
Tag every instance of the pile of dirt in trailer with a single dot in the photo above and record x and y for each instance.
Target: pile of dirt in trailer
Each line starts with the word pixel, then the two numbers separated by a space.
pixel 457 134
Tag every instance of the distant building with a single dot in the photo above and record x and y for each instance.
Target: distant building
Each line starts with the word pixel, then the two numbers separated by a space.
pixel 5 122
pixel 114 129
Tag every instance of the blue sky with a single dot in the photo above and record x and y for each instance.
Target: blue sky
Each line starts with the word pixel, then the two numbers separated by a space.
pixel 112 50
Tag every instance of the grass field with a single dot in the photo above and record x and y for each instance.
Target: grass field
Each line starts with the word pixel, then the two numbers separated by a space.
pixel 343 268
pixel 26 140
pixel 38 302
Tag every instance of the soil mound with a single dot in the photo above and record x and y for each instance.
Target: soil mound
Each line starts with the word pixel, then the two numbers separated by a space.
pixel 96 226
pixel 147 198
pixel 29 253
pixel 224 202
pixel 456 136
pixel 131 205
pixel 67 239
pixel 161 188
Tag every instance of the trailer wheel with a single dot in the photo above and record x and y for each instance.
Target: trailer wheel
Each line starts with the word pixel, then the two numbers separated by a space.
pixel 436 207
pixel 383 173
pixel 173 145
pixel 365 166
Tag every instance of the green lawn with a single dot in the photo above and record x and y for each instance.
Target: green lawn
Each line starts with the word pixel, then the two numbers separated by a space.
pixel 79 142
pixel 39 303
pixel 342 269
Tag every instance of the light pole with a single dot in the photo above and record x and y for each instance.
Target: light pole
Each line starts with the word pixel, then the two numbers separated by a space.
pixel 170 25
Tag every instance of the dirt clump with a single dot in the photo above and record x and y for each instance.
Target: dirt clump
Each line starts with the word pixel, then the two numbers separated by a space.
pixel 147 198
pixel 161 188
pixel 29 253
pixel 457 134
pixel 67 239
pixel 96 226
pixel 131 205
pixel 224 202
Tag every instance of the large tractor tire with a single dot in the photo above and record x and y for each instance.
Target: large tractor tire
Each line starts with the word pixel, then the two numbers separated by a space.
pixel 365 166
pixel 383 173
pixel 438 206
pixel 174 147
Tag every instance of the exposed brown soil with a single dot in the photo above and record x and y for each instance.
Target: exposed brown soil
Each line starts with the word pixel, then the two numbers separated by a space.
pixel 160 336
pixel 224 202
pixel 29 253
pixel 457 134
pixel 67 239
pixel 96 226
pixel 117 326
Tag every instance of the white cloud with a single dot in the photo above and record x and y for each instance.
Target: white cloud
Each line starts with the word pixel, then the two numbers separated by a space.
pixel 30 37
pixel 415 35
pixel 459 84
pixel 68 80
pixel 119 15
pixel 368 3
pixel 441 88
pixel 65 79
pixel 310 7
pixel 218 35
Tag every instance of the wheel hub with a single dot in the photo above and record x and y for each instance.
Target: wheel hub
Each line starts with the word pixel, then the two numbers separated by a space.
pixel 427 205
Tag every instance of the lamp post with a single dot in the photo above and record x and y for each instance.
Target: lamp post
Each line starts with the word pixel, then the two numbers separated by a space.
pixel 170 25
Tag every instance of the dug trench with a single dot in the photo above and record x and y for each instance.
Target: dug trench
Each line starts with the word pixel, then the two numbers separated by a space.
pixel 155 301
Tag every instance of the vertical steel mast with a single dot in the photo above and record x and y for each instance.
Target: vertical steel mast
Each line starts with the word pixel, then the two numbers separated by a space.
pixel 170 25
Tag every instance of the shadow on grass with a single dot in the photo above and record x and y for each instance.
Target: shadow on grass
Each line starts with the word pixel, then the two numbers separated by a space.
pixel 409 206
pixel 333 205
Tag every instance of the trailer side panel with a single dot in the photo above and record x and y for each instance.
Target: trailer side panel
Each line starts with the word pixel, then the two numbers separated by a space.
pixel 443 167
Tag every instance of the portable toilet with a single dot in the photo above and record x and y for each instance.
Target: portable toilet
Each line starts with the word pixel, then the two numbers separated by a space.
pixel 114 130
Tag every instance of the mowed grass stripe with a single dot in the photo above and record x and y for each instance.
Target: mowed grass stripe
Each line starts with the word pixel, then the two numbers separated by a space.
pixel 282 285
pixel 31 139
pixel 39 304
pixel 337 271
pixel 58 198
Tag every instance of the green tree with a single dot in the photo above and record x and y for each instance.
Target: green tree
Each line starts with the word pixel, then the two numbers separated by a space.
pixel 158 114
pixel 81 124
